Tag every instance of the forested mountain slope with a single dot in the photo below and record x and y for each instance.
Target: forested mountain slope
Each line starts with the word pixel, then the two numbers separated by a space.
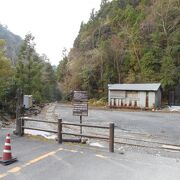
pixel 126 41
pixel 32 74
pixel 13 43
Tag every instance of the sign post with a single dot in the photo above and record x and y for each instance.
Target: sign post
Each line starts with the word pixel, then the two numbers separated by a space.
pixel 81 126
pixel 80 105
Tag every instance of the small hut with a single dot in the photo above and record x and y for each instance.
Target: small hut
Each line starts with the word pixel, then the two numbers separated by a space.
pixel 144 96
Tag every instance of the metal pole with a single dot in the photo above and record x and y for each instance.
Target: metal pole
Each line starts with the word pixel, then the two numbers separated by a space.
pixel 111 137
pixel 81 126
pixel 60 131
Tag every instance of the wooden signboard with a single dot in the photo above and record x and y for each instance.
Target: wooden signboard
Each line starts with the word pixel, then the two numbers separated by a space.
pixel 80 103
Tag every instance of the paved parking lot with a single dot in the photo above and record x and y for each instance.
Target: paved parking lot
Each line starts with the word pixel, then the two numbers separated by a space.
pixel 160 126
pixel 39 159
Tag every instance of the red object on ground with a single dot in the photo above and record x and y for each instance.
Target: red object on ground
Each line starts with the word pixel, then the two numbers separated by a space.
pixel 7 155
pixel 7 149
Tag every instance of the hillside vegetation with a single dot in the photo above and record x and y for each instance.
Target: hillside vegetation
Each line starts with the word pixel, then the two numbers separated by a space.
pixel 126 41
pixel 12 45
pixel 31 74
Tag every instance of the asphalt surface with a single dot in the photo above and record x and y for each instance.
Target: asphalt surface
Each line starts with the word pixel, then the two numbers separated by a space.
pixel 39 159
pixel 159 126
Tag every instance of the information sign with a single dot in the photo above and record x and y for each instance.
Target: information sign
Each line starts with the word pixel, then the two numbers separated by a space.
pixel 80 103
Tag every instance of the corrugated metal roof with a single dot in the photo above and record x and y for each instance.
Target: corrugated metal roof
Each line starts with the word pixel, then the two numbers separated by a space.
pixel 135 87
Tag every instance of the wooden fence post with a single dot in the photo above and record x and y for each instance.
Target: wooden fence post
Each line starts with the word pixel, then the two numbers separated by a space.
pixel 18 126
pixel 60 131
pixel 22 126
pixel 111 137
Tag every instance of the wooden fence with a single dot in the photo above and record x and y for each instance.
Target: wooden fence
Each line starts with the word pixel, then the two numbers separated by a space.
pixel 60 131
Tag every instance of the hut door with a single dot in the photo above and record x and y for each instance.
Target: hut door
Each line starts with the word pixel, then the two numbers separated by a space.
pixel 171 99
pixel 147 100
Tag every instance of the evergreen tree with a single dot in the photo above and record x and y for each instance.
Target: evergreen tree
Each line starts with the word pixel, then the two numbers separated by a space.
pixel 6 72
pixel 129 41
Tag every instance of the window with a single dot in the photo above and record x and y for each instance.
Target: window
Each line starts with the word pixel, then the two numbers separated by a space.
pixel 131 94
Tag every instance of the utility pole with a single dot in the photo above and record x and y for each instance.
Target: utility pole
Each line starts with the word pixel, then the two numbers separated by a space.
pixel 19 106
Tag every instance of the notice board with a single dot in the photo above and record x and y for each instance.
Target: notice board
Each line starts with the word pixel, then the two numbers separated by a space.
pixel 80 103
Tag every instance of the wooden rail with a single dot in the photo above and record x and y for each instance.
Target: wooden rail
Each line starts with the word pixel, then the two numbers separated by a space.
pixel 37 129
pixel 22 127
pixel 59 132
pixel 88 136
pixel 110 127
pixel 38 120
pixel 86 125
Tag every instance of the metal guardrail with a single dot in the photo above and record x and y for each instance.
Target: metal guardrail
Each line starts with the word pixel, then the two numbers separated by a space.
pixel 60 133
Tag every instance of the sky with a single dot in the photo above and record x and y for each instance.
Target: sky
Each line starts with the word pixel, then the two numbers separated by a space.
pixel 54 23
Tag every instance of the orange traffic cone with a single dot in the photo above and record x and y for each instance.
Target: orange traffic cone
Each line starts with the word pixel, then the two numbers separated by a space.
pixel 7 156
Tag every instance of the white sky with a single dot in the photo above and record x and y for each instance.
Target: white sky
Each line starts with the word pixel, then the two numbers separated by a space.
pixel 54 23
